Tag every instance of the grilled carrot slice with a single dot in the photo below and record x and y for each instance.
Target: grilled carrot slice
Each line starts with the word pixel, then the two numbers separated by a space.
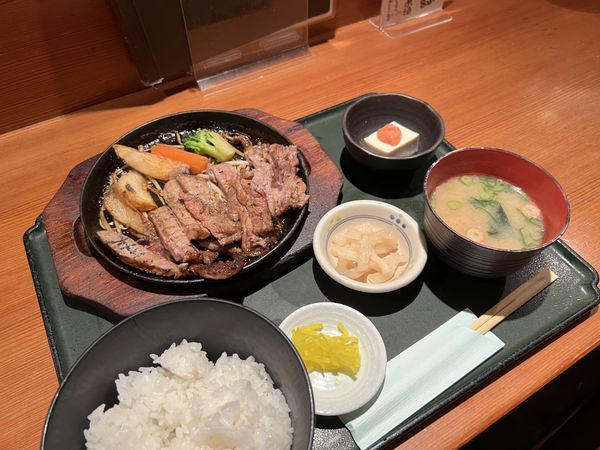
pixel 196 162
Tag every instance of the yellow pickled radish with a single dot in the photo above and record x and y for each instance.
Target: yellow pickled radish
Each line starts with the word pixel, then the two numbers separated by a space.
pixel 326 353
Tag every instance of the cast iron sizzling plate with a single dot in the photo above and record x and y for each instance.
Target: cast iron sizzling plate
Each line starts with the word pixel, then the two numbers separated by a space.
pixel 163 129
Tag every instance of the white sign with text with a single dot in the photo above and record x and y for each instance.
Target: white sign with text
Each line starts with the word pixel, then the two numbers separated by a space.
pixel 394 12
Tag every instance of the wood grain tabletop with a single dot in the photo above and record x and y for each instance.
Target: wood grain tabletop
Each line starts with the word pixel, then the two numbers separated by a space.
pixel 524 76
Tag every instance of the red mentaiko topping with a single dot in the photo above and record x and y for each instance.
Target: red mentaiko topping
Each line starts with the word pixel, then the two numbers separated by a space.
pixel 390 134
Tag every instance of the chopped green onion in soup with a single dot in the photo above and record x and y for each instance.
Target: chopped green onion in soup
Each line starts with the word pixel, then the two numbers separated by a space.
pixel 490 211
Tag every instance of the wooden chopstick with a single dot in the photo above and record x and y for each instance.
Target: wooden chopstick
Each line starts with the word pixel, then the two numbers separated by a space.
pixel 513 301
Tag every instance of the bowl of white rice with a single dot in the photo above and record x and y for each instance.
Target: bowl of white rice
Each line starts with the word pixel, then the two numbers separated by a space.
pixel 191 374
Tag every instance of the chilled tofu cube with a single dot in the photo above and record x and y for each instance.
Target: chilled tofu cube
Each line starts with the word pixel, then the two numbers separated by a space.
pixel 408 144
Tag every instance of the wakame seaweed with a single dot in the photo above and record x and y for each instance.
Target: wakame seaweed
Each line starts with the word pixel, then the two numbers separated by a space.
pixel 494 210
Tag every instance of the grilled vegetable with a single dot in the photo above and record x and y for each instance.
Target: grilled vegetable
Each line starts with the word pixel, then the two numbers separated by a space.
pixel 196 162
pixel 210 143
pixel 126 214
pixel 149 164
pixel 133 187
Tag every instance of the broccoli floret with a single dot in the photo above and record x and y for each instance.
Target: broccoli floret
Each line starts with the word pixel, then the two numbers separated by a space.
pixel 210 143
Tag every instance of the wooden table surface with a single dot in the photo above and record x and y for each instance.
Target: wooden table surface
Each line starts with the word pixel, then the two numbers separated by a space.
pixel 524 76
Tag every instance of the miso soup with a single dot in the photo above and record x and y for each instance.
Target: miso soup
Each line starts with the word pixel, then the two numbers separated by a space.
pixel 489 211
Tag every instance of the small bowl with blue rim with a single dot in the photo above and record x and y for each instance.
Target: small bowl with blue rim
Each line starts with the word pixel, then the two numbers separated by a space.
pixel 411 242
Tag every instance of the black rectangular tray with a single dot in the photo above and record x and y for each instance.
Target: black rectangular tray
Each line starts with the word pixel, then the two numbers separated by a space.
pixel 402 317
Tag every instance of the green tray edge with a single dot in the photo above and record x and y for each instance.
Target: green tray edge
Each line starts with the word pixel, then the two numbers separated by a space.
pixel 27 238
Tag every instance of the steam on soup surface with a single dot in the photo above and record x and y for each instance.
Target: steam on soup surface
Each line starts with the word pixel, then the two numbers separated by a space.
pixel 489 211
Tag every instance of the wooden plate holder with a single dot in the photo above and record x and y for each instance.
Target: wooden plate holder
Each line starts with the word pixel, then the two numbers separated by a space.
pixel 83 277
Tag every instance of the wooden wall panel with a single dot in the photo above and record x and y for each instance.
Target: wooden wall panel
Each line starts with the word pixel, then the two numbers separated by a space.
pixel 57 56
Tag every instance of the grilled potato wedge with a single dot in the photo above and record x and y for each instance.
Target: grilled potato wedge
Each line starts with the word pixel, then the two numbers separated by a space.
pixel 133 187
pixel 126 214
pixel 149 164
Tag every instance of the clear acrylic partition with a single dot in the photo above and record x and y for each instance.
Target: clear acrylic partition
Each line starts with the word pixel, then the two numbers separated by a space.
pixel 231 38
pixel 400 17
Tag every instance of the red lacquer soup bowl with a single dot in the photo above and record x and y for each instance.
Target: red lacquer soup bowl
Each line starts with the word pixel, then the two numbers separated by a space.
pixel 477 259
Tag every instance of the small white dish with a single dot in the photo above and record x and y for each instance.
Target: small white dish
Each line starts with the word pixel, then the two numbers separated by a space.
pixel 381 212
pixel 337 394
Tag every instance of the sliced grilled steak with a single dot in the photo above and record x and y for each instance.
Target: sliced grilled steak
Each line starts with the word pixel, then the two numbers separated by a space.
pixel 219 270
pixel 268 243
pixel 275 172
pixel 157 247
pixel 236 251
pixel 172 236
pixel 206 256
pixel 130 252
pixel 211 244
pixel 172 193
pixel 249 202
pixel 206 204
pixel 231 211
